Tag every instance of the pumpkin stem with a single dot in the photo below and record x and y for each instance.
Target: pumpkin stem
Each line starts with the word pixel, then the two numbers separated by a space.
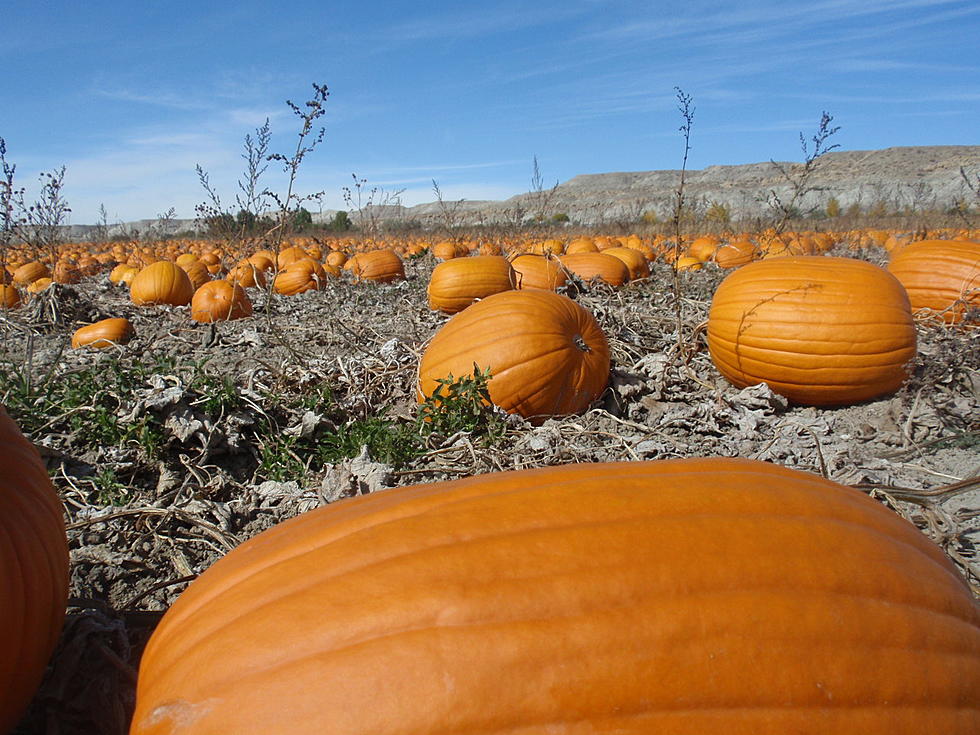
pixel 580 343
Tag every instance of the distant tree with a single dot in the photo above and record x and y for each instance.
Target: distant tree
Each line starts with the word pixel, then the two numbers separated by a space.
pixel 340 222
pixel 560 217
pixel 302 219
pixel 833 208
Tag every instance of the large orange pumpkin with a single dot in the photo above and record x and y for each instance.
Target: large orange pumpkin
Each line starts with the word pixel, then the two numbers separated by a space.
pixel 682 596
pixel 457 283
pixel 162 282
pixel 942 276
pixel 546 354
pixel 218 301
pixel 820 331
pixel 33 571
pixel 103 333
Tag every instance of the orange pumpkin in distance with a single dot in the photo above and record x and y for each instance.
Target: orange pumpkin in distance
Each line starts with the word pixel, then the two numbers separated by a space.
pixel 690 597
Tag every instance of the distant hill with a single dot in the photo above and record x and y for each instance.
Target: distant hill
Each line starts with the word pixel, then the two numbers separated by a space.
pixel 922 177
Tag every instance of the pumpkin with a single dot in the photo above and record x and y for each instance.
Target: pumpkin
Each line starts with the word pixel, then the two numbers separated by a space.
pixel 33 571
pixel 444 250
pixel 687 596
pixel 300 276
pixel 104 333
pixel 597 266
pixel 457 283
pixel 941 276
pixel 546 354
pixel 162 282
pixel 820 331
pixel 538 272
pixel 246 275
pixel 735 254
pixel 66 272
pixel 41 284
pixel 122 274
pixel 634 260
pixel 382 266
pixel 217 301
pixel 197 272
pixel 581 245
pixel 688 263
pixel 9 297
pixel 30 272
pixel 291 255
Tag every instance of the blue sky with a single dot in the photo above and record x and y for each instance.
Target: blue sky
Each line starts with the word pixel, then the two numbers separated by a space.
pixel 130 96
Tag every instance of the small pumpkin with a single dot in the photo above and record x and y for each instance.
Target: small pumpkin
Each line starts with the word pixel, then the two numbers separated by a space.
pixel 220 300
pixel 820 331
pixel 104 333
pixel 546 354
pixel 687 596
pixel 33 571
pixel 162 282
pixel 941 277
pixel 457 283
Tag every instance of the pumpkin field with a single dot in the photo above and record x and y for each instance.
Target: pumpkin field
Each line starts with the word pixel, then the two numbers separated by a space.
pixel 491 474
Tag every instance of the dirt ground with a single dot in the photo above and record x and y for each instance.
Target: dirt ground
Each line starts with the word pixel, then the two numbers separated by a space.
pixel 223 421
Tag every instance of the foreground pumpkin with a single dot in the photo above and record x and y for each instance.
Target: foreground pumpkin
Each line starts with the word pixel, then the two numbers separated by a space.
pixel 104 333
pixel 681 596
pixel 547 355
pixel 33 571
pixel 457 283
pixel 820 331
pixel 162 282
pixel 941 276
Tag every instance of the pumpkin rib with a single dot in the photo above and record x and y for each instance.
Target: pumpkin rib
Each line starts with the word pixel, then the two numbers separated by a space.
pixel 628 609
pixel 334 577
pixel 432 493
